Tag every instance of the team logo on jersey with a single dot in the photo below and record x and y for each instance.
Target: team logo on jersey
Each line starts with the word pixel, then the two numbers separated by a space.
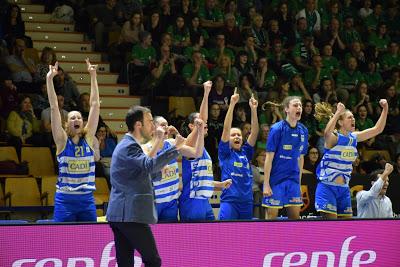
pixel 287 147
pixel 78 166
pixel 301 148
pixel 302 138
pixel 348 154
pixel 294 135
pixel 238 164
pixel 169 172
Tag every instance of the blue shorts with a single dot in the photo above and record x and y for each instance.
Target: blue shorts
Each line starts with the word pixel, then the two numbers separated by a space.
pixel 235 211
pixel 285 194
pixel 194 209
pixel 333 199
pixel 168 211
pixel 74 208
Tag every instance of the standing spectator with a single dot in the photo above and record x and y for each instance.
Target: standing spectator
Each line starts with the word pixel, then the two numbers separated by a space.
pixel 262 138
pixel 374 203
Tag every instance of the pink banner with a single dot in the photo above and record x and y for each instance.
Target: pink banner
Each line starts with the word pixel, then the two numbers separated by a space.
pixel 238 244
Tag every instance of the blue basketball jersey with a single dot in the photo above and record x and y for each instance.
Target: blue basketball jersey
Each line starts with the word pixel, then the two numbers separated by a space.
pixel 76 168
pixel 166 187
pixel 338 161
pixel 197 177
pixel 235 165
pixel 288 143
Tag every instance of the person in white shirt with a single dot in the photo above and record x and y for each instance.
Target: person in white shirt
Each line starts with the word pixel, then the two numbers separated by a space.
pixel 374 203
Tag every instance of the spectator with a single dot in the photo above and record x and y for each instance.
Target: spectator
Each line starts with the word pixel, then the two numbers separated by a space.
pixel 297 87
pixel 311 160
pixel 232 32
pixel 239 115
pixel 197 41
pixel 364 122
pixel 64 85
pixel 180 34
pixel 265 78
pixel 46 119
pixel 195 74
pixel 224 68
pixel 333 12
pixel 284 18
pixel 220 49
pixel 349 34
pixel 379 37
pixel 211 16
pixel 166 17
pixel 332 37
pixel 348 78
pixel 274 33
pixel 277 56
pixel 309 121
pixel 366 9
pixel 246 88
pixel 220 94
pixel 9 97
pixel 23 126
pixel 261 35
pixel 374 203
pixel 391 59
pixel 326 92
pixel 186 10
pixel 357 52
pixel 262 138
pixel 250 48
pixel 361 97
pixel 104 18
pixel 107 142
pixel 392 124
pixel 303 52
pixel 242 64
pixel 195 28
pixel 155 27
pixel 313 76
pixel 47 57
pixel 329 61
pixel 299 32
pixel 232 8
pixel 14 26
pixel 40 101
pixel 373 78
pixel 21 67
pixel 131 29
pixel 312 16
pixel 371 22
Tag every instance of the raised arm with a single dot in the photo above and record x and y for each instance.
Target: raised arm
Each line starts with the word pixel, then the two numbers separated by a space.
pixel 59 135
pixel 191 139
pixel 379 126
pixel 364 196
pixel 197 150
pixel 229 117
pixel 94 111
pixel 252 139
pixel 330 138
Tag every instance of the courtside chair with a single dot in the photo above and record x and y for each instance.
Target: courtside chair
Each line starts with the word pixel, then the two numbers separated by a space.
pixel 48 189
pixel 20 192
pixel 39 160
pixel 102 194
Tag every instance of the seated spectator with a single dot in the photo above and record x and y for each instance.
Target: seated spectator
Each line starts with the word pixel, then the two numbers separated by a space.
pixel 250 48
pixel 105 18
pixel 211 17
pixel 365 10
pixel 391 59
pixel 231 7
pixel 297 87
pixel 232 32
pixel 303 52
pixel 373 78
pixel 265 78
pixel 274 33
pixel 23 127
pixel 220 94
pixel 107 142
pixel 246 88
pixel 21 68
pixel 371 22
pixel 215 126
pixel 308 119
pixel 393 99
pixel 379 37
pixel 358 53
pixel 277 56
pixel 186 10
pixel 195 28
pixel 333 11
pixel 224 69
pixel 14 26
pixel 313 76
pixel 8 96
pixel 348 78
pixel 195 74
pixel 64 85
pixel 242 64
pixel 349 34
pixel 361 97
pixel 220 49
pixel 47 57
pixel 374 203
pixel 154 27
pixel 197 41
pixel 262 137
pixel 311 160
pixel 363 122
pixel 326 92
pixel 313 17
pixel 332 37
pixel 46 120
pixel 180 34
pixel 40 101
pixel 239 115
pixel 284 18
pixel 131 29
pixel 329 61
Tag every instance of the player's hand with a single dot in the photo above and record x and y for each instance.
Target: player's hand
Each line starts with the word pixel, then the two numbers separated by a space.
pixel 267 191
pixel 253 102
pixel 384 103
pixel 53 71
pixel 172 130
pixel 91 68
pixel 388 168
pixel 227 183
pixel 207 86
pixel 340 108
pixel 159 133
pixel 235 97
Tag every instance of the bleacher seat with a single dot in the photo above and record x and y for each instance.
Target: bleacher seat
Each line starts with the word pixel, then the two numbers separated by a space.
pixel 181 106
pixel 8 153
pixel 39 160
pixel 22 192
pixel 48 189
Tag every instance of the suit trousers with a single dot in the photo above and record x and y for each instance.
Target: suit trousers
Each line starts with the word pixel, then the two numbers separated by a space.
pixel 130 236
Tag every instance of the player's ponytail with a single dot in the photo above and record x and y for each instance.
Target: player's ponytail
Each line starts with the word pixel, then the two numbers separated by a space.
pixel 323 111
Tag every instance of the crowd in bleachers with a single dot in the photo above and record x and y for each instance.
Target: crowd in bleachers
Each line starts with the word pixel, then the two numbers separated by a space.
pixel 324 51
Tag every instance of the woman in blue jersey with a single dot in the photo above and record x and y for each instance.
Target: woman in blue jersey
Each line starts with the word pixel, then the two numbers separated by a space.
pixel 286 146
pixel 167 183
pixel 197 174
pixel 332 196
pixel 76 180
pixel 235 158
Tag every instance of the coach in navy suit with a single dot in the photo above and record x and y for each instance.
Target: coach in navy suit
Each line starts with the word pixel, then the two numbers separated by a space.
pixel 131 207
